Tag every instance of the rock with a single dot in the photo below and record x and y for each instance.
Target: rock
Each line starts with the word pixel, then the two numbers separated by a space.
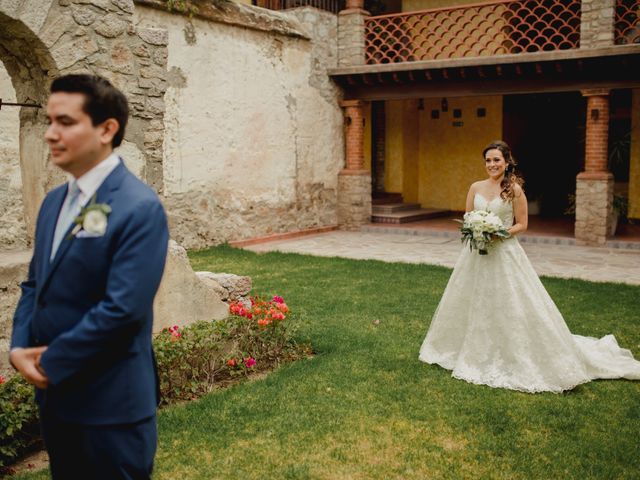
pixel 13 270
pixel 124 5
pixel 183 298
pixel 83 15
pixel 111 26
pixel 154 36
pixel 230 287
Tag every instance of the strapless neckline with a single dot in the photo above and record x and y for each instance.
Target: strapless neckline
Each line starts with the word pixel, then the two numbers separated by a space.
pixel 486 199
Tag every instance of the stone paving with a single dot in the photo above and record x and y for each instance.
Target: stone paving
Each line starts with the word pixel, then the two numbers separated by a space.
pixel 566 261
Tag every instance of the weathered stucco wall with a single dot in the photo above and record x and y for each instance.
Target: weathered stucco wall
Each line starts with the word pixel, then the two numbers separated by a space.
pixel 253 131
pixel 13 232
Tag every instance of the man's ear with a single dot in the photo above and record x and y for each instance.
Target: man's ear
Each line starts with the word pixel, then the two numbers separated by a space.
pixel 109 129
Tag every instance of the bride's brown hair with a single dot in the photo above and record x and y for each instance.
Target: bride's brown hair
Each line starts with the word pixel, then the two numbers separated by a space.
pixel 511 178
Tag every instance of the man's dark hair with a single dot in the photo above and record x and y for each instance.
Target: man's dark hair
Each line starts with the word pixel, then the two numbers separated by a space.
pixel 102 100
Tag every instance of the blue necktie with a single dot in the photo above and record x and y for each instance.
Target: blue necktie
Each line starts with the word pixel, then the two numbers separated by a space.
pixel 68 212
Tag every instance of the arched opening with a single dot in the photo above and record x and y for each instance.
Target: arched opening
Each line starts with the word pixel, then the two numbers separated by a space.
pixel 29 66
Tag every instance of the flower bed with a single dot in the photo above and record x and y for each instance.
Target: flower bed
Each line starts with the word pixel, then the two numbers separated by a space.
pixel 191 362
pixel 194 360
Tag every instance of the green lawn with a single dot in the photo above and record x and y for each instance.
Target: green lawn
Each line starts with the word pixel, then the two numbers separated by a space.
pixel 364 407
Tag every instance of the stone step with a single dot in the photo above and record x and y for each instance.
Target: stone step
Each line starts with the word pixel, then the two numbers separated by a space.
pixel 386 197
pixel 406 216
pixel 383 209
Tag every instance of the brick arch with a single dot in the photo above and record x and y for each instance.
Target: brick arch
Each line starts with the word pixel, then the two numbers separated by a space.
pixel 40 39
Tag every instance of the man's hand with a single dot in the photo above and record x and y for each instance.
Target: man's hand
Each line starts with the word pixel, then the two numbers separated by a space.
pixel 27 362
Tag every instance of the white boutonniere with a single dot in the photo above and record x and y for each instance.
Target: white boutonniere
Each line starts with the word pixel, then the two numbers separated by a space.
pixel 92 219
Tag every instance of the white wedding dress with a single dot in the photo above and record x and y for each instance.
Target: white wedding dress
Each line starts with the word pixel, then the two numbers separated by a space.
pixel 496 325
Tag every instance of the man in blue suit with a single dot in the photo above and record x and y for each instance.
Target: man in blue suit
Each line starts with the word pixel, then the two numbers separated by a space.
pixel 82 327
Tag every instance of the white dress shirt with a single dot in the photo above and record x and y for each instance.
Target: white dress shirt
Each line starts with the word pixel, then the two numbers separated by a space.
pixel 91 181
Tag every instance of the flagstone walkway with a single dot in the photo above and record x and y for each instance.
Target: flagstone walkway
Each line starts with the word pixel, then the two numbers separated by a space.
pixel 566 261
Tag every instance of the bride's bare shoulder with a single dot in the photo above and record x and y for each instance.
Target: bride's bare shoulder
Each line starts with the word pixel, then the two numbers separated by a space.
pixel 476 186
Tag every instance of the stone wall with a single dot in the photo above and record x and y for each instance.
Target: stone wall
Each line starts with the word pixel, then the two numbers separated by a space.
pixel 596 28
pixel 13 270
pixel 354 200
pixel 594 209
pixel 40 39
pixel 253 131
pixel 351 37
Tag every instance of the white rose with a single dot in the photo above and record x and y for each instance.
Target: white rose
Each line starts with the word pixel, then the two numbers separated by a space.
pixel 95 222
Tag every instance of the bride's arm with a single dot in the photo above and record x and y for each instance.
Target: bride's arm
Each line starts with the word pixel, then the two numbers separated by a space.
pixel 470 196
pixel 520 211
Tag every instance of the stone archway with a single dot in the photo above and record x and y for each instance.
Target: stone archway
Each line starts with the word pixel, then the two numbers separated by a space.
pixel 40 39
pixel 28 64
pixel 13 232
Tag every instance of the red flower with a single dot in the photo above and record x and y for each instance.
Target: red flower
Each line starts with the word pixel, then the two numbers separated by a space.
pixel 278 299
pixel 231 363
pixel 2 380
pixel 174 331
pixel 249 362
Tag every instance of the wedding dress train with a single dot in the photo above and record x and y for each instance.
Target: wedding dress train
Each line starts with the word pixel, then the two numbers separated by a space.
pixel 496 325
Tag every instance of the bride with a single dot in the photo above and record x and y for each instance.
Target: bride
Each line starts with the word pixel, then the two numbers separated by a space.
pixel 496 324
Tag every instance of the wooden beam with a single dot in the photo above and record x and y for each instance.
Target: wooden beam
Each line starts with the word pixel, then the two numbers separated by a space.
pixel 478 88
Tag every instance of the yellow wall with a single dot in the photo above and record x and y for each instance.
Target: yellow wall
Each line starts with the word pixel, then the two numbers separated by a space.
pixel 429 160
pixel 411 150
pixel 451 157
pixel 634 161
pixel 393 146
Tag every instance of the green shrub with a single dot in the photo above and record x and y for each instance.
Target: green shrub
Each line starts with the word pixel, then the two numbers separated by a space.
pixel 194 360
pixel 19 429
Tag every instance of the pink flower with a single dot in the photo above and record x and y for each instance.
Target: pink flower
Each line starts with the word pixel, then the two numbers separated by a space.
pixel 278 299
pixel 249 362
pixel 2 380
pixel 174 331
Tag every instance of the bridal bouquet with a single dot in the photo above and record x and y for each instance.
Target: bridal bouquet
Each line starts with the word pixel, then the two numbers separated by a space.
pixel 480 228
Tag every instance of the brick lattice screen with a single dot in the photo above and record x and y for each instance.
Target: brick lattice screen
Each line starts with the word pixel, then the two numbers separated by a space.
pixel 482 29
pixel 627 26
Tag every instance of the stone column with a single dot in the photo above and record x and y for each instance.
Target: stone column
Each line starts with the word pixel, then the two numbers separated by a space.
pixel 594 186
pixel 351 34
pixel 597 23
pixel 354 182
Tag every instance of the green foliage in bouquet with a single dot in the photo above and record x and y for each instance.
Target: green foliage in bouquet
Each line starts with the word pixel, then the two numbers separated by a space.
pixel 480 229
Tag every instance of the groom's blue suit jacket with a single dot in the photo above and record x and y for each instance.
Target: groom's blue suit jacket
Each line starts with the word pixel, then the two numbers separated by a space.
pixel 93 306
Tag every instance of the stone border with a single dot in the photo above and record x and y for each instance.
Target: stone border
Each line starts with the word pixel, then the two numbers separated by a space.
pixel 232 13
pixel 282 236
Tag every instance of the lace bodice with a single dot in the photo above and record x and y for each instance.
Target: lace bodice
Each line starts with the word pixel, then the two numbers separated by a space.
pixel 502 209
